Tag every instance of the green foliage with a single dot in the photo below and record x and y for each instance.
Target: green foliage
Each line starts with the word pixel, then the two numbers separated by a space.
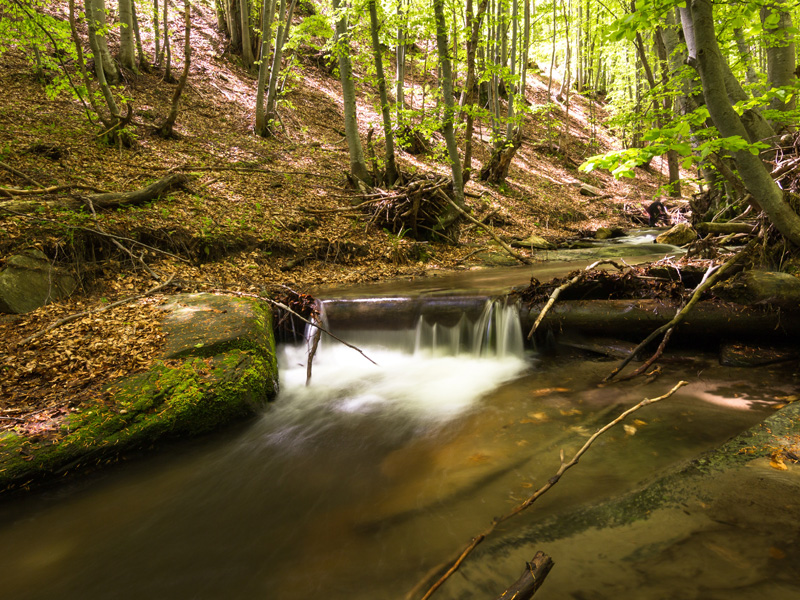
pixel 44 40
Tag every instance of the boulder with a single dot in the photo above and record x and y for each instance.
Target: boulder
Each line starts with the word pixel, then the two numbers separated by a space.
pixel 533 241
pixel 680 234
pixel 218 367
pixel 761 287
pixel 30 281
pixel 605 233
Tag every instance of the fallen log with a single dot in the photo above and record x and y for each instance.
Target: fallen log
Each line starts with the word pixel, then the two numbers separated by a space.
pixel 708 321
pixel 617 318
pixel 531 579
pixel 100 201
pixel 724 228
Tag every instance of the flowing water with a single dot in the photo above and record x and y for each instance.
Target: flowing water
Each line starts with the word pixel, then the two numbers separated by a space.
pixel 356 485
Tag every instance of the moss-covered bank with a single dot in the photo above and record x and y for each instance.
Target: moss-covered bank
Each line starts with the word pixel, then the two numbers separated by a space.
pixel 219 367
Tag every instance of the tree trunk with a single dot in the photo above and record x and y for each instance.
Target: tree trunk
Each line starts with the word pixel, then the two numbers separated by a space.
pixel 157 32
pixel 468 97
pixel 400 63
pixel 267 14
pixel 167 46
pixel 247 46
pixel 449 112
pixel 781 66
pixel 274 73
pixel 391 167
pixel 144 64
pixel 755 175
pixel 358 166
pixel 166 128
pixel 127 49
pixel 96 15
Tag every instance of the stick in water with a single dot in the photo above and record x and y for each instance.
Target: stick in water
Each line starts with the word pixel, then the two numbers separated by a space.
pixel 536 495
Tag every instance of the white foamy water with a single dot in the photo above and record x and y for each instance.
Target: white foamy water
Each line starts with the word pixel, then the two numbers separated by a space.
pixel 432 373
pixel 423 385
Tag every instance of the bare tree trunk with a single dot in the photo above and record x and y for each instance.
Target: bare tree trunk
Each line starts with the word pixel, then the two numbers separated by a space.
pixel 449 111
pixel 752 170
pixel 468 97
pixel 144 65
pixel 391 166
pixel 358 166
pixel 780 51
pixel 247 46
pixel 166 128
pixel 280 40
pixel 96 15
pixel 157 32
pixel 400 64
pixel 267 14
pixel 127 49
pixel 167 46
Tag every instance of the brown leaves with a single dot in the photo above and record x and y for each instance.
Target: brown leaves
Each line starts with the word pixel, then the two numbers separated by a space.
pixel 69 365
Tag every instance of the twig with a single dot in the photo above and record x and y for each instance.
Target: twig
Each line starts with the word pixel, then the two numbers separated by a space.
pixel 282 306
pixel 531 579
pixel 128 251
pixel 93 311
pixel 565 466
pixel 50 190
pixel 14 171
pixel 656 355
pixel 313 351
pixel 505 246
pixel 557 292
pixel 708 281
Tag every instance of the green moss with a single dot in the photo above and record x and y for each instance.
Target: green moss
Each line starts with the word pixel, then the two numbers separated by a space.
pixel 178 399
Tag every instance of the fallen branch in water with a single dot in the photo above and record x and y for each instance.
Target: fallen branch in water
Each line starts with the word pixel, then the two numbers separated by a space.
pixel 709 280
pixel 455 564
pixel 557 292
pixel 282 306
pixel 530 580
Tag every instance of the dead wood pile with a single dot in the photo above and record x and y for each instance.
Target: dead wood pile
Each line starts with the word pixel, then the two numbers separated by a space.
pixel 415 207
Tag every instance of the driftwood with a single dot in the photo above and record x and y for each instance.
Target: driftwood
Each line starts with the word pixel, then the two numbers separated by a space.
pixel 452 566
pixel 531 579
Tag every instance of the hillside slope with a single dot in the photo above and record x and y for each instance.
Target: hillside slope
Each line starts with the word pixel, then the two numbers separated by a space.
pixel 256 214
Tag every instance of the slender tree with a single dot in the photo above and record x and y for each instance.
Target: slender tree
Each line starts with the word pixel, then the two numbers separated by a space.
pixel 391 166
pixel 358 166
pixel 127 47
pixel 166 129
pixel 448 130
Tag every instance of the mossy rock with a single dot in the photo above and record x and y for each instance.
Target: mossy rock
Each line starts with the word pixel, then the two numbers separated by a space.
pixel 219 367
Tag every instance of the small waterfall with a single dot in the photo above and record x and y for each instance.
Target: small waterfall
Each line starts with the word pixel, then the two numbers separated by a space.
pixel 423 367
pixel 496 333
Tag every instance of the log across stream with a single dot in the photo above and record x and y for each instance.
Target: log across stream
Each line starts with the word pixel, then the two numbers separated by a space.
pixel 355 486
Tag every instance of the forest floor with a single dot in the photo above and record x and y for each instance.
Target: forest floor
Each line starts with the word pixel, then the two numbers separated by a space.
pixel 257 214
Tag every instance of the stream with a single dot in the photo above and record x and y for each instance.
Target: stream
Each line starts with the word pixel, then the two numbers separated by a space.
pixel 355 486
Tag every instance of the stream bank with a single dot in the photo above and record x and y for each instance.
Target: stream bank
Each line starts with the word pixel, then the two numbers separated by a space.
pixel 218 366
